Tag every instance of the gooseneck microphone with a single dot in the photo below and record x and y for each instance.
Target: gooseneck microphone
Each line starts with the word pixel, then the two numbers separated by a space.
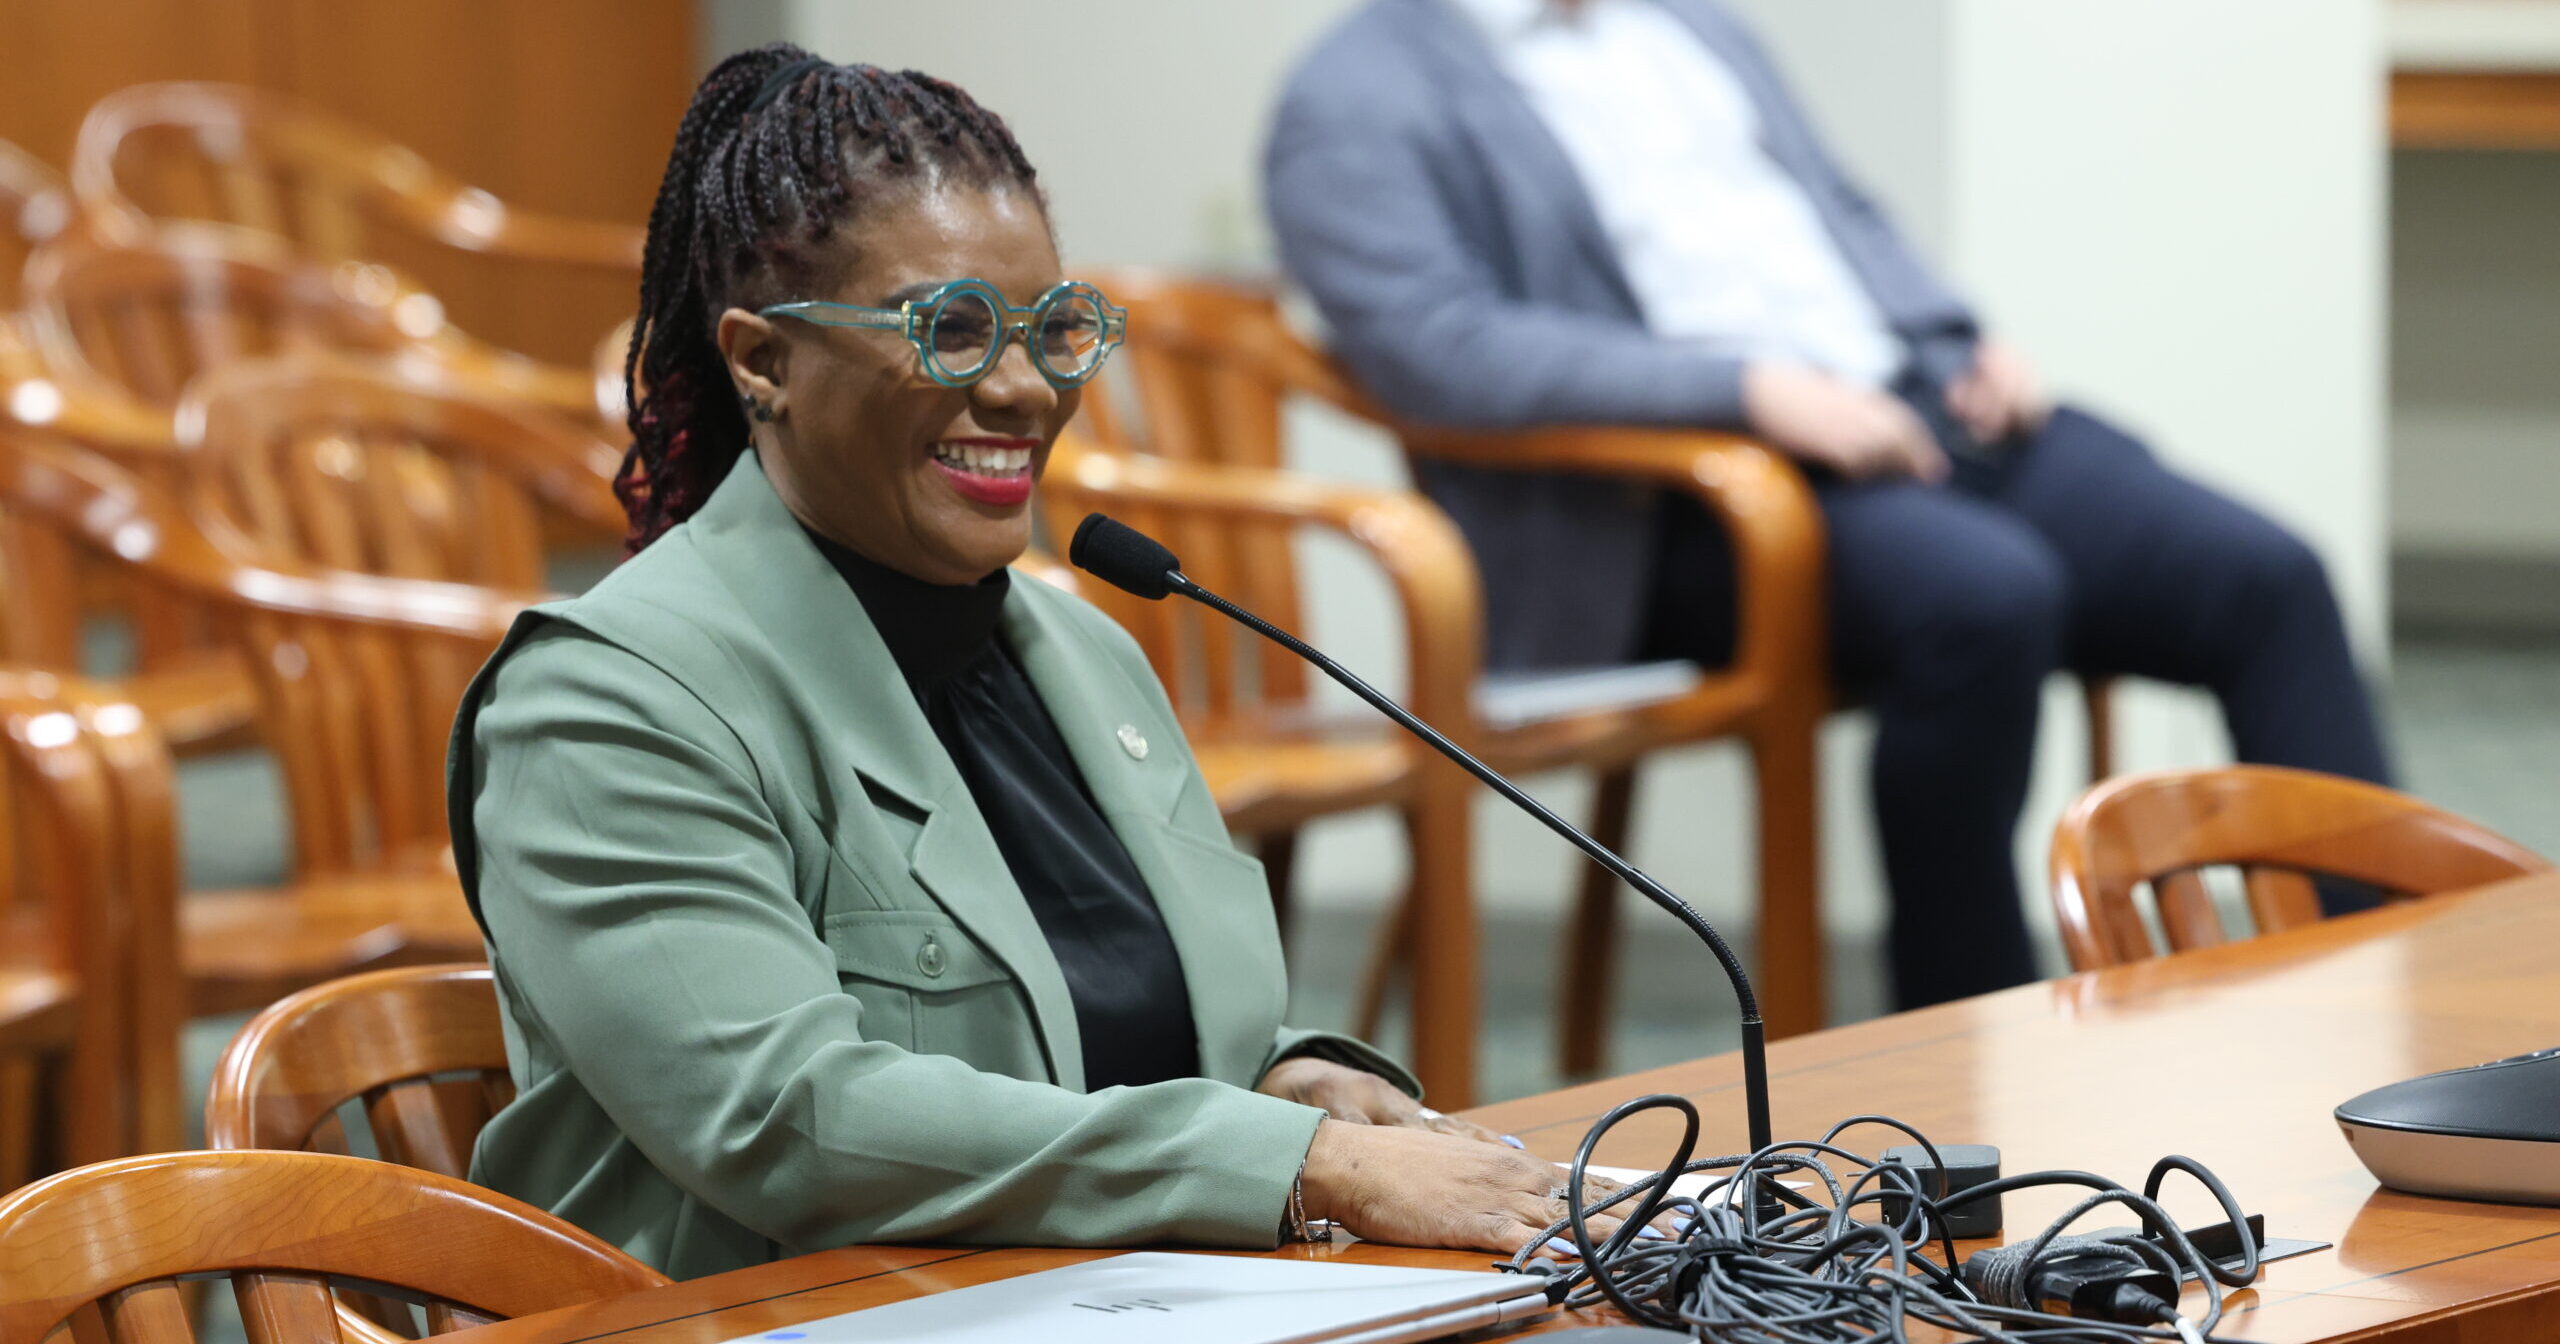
pixel 1136 563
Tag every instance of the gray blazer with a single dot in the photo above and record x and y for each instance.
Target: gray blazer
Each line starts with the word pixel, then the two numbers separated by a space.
pixel 1467 280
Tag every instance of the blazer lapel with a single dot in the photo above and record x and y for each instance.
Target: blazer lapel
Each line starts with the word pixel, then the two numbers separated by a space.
pixel 868 724
pixel 1215 903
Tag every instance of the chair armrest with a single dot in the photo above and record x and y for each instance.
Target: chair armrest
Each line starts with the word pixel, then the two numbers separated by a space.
pixel 472 220
pixel 1433 573
pixel 1761 498
pixel 74 403
pixel 105 509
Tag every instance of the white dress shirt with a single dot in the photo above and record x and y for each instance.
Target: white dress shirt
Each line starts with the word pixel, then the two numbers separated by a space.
pixel 1718 242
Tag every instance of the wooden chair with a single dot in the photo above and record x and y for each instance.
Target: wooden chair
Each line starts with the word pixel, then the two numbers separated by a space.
pixel 369 468
pixel 1210 371
pixel 357 676
pixel 389 467
pixel 88 1013
pixel 419 1046
pixel 102 1249
pixel 187 681
pixel 2279 827
pixel 35 208
pixel 1270 763
pixel 266 161
pixel 149 312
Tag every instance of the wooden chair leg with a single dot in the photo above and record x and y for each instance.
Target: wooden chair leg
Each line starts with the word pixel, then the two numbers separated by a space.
pixel 1789 976
pixel 1446 1002
pixel 2100 693
pixel 1279 854
pixel 19 1121
pixel 1389 954
pixel 1590 970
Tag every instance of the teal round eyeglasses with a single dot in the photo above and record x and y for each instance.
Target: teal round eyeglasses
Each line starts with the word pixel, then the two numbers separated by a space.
pixel 960 329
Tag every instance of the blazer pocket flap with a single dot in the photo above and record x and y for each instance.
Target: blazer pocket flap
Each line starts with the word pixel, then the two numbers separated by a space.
pixel 917 949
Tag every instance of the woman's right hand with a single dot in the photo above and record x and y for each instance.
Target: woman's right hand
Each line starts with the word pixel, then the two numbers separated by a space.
pixel 1415 1187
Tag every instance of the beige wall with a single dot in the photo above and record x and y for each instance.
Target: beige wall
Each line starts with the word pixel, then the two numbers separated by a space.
pixel 1143 116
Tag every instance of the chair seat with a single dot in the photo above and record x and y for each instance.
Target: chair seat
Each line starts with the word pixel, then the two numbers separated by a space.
pixel 1508 702
pixel 244 949
pixel 37 1008
pixel 1275 780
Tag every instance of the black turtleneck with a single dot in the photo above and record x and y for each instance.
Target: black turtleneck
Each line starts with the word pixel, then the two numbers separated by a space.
pixel 1133 1011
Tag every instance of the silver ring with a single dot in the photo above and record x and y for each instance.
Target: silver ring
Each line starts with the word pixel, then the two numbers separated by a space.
pixel 1429 1114
pixel 1561 1194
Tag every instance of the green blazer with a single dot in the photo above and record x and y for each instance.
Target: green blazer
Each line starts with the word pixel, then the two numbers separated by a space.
pixel 767 984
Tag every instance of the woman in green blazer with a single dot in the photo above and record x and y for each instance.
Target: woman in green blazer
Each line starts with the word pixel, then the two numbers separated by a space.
pixel 838 890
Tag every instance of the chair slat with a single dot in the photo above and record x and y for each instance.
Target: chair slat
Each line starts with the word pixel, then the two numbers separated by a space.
pixel 276 1307
pixel 149 1313
pixel 2187 911
pixel 429 1125
pixel 2280 898
pixel 443 1318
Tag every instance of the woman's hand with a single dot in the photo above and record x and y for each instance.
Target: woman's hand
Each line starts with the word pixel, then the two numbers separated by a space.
pixel 1413 1187
pixel 1358 1097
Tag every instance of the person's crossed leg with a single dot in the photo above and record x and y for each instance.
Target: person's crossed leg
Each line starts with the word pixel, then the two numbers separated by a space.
pixel 1950 605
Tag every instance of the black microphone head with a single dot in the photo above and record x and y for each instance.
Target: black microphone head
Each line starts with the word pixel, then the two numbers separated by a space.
pixel 1123 557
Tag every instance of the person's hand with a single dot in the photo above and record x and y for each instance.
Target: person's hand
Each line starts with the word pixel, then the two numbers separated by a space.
pixel 1999 396
pixel 1859 432
pixel 1358 1097
pixel 1414 1187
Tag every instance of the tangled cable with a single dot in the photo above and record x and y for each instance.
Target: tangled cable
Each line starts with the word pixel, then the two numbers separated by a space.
pixel 1754 1262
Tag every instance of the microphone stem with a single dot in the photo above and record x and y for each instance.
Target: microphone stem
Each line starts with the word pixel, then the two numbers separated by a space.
pixel 1755 1064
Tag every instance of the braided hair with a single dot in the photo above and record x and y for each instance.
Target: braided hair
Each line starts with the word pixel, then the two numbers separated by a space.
pixel 777 150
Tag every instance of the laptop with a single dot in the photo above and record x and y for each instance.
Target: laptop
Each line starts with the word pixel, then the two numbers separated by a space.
pixel 1158 1297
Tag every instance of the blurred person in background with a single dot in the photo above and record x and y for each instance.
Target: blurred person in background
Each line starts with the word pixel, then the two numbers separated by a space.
pixel 1530 212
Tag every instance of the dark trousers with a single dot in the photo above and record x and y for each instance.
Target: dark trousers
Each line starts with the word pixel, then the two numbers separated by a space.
pixel 1950 605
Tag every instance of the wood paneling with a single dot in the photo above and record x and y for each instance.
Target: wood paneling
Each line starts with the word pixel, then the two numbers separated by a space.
pixel 2233 1055
pixel 565 105
pixel 2475 109
pixel 65 54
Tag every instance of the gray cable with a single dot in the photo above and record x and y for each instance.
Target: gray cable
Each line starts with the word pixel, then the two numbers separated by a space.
pixel 1757 1263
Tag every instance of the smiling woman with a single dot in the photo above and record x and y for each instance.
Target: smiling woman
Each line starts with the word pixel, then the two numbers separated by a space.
pixel 834 889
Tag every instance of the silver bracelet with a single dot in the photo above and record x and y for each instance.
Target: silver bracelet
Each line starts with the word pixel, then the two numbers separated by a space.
pixel 1299 1227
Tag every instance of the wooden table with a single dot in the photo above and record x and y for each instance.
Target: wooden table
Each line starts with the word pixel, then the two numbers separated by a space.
pixel 2232 1055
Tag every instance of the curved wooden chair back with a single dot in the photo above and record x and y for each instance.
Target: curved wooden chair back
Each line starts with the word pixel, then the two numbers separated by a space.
pixel 101 1249
pixel 89 998
pixel 419 1046
pixel 2279 827
pixel 384 468
pixel 35 209
pixel 149 314
pixel 271 162
pixel 1202 378
pixel 266 161
pixel 40 594
pixel 363 468
pixel 357 675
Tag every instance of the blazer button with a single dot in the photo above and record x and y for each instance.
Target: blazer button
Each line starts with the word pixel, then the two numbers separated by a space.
pixel 930 958
pixel 1133 741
